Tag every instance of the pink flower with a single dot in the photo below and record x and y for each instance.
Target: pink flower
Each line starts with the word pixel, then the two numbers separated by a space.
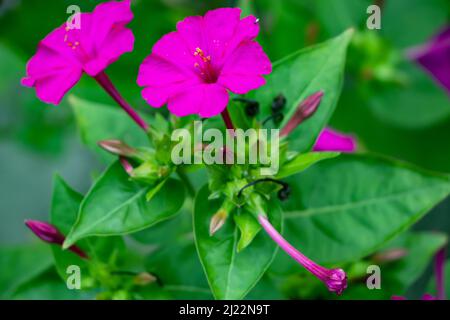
pixel 66 53
pixel 192 68
pixel 330 140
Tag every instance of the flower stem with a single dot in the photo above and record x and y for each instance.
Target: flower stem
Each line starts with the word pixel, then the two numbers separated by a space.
pixel 227 119
pixel 109 87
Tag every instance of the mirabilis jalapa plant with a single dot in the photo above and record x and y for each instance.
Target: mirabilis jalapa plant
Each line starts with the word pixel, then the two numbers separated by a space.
pixel 196 70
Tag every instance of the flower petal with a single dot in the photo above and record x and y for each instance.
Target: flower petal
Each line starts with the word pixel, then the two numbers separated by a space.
pixel 104 35
pixel 173 48
pixel 52 74
pixel 52 89
pixel 243 69
pixel 242 84
pixel 191 30
pixel 220 26
pixel 206 100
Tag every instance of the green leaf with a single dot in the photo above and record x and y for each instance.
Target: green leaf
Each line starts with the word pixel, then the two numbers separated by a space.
pixel 231 275
pixel 301 74
pixel 98 122
pixel 63 214
pixel 186 282
pixel 248 227
pixel 346 208
pixel 65 205
pixel 303 161
pixel 49 286
pixel 399 275
pixel 20 265
pixel 117 206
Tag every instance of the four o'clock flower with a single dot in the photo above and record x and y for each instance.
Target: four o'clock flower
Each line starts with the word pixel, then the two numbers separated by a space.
pixel 69 51
pixel 193 68
pixel 50 234
pixel 334 279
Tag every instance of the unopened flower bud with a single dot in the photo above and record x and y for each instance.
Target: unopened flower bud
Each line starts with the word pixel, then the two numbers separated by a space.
pixel 117 147
pixel 126 165
pixel 278 103
pixel 144 278
pixel 304 111
pixel 284 193
pixel 50 234
pixel 389 255
pixel 252 109
pixel 217 221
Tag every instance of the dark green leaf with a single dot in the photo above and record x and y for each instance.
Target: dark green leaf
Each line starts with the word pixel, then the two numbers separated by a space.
pixel 398 276
pixel 98 122
pixel 231 275
pixel 20 265
pixel 65 205
pixel 346 208
pixel 179 271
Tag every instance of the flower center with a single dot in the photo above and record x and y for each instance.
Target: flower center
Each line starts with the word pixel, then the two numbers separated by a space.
pixel 71 39
pixel 204 66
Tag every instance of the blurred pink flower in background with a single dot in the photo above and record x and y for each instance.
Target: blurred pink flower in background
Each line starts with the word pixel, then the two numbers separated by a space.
pixel 193 68
pixel 331 140
pixel 66 53
pixel 434 57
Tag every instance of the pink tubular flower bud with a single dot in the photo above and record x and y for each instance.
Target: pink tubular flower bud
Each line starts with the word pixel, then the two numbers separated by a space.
pixel 50 234
pixel 334 279
pixel 305 110
pixel 126 165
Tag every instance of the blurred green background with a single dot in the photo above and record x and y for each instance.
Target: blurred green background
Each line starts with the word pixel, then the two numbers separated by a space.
pixel 390 104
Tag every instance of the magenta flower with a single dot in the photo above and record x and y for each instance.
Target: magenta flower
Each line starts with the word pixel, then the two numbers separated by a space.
pixel 64 55
pixel 334 279
pixel 330 140
pixel 435 57
pixel 50 234
pixel 192 68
